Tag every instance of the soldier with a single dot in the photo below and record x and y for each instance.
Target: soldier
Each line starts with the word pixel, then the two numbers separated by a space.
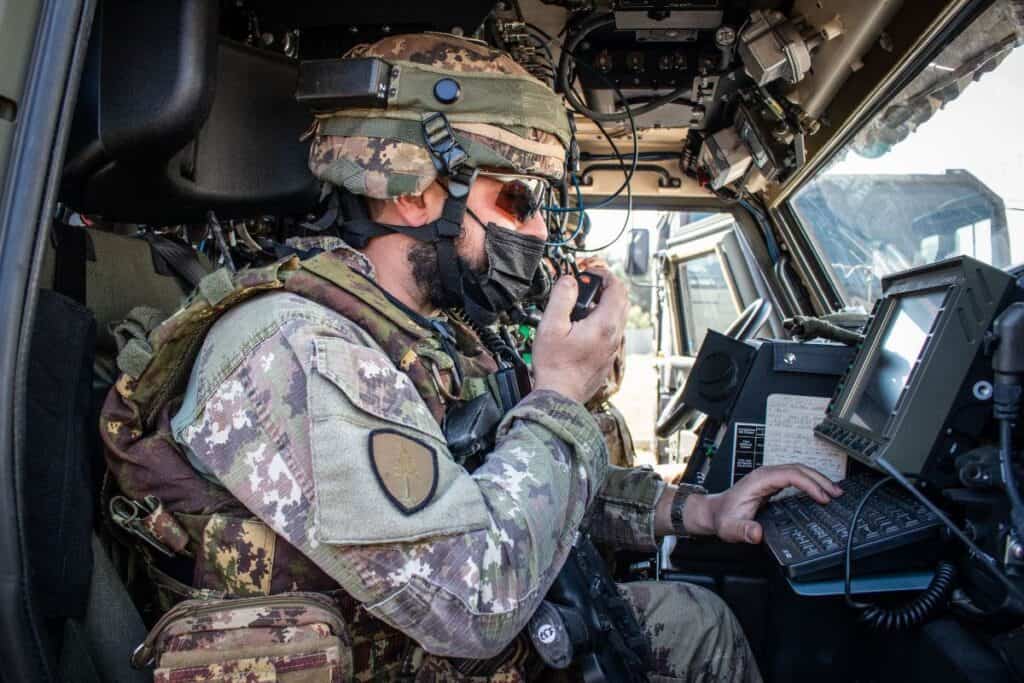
pixel 311 419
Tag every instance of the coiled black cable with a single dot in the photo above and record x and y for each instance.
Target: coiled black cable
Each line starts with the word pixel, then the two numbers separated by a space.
pixel 918 610
pixel 911 614
pixel 491 340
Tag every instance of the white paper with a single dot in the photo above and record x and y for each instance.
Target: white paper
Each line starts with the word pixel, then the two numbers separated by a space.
pixel 789 435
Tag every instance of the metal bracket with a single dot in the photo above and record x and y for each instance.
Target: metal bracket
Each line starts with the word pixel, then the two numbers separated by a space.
pixel 665 179
pixel 129 514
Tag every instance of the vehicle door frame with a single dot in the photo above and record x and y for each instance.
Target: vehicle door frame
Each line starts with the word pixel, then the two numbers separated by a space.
pixel 896 69
pixel 749 271
pixel 52 61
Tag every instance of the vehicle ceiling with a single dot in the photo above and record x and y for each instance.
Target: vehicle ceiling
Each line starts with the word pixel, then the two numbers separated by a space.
pixel 863 45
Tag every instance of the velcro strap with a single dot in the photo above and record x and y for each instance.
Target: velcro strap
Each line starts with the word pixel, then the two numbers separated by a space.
pixel 497 98
pixel 360 231
pixel 425 349
pixel 146 316
pixel 134 358
pixel 137 325
pixel 216 286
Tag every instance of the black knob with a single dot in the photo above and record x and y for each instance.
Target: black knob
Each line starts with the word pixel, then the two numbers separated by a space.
pixel 717 376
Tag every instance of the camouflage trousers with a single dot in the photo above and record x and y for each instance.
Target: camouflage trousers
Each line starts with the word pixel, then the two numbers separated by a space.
pixel 694 635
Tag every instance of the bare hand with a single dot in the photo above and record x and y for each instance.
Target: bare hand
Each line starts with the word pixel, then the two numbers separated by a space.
pixel 574 358
pixel 730 514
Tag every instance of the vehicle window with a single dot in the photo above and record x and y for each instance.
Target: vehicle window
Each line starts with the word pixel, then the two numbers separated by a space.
pixel 636 399
pixel 938 173
pixel 705 284
pixel 707 302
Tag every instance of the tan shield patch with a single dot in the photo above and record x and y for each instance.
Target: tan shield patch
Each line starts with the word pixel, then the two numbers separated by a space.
pixel 405 468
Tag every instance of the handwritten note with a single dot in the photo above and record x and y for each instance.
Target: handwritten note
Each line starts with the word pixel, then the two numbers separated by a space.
pixel 789 435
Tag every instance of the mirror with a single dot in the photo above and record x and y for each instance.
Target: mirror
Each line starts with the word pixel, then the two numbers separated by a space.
pixel 638 258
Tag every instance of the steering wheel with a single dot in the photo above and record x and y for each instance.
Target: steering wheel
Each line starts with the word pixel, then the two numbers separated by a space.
pixel 676 412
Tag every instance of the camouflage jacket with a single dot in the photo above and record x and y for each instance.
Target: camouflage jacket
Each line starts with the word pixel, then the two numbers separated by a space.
pixel 300 413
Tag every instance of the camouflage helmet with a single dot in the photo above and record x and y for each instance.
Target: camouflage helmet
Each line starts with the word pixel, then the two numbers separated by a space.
pixel 504 118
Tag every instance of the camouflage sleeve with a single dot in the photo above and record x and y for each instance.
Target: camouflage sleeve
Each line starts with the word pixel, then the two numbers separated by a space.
pixel 623 512
pixel 286 426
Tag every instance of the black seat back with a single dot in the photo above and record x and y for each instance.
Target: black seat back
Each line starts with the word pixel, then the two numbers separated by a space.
pixel 112 274
pixel 60 433
pixel 173 121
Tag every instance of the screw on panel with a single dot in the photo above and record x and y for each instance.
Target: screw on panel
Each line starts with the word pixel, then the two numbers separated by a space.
pixel 982 390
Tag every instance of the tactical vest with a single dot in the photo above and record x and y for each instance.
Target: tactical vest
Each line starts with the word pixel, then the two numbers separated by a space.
pixel 165 502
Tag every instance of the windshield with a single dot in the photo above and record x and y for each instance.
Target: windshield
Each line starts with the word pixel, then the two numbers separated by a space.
pixel 939 172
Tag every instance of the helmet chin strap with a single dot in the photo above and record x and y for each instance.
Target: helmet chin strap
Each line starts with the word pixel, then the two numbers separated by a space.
pixel 452 162
pixel 481 298
pixel 357 229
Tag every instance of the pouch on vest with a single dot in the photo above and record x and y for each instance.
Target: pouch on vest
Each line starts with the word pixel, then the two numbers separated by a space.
pixel 470 427
pixel 292 636
pixel 469 430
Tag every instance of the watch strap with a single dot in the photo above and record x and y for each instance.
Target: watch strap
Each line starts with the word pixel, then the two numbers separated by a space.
pixel 682 494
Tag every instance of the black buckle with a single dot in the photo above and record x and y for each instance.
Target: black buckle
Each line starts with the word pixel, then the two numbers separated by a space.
pixel 445 150
pixel 461 180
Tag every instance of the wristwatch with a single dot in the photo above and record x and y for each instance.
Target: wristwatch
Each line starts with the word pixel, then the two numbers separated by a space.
pixel 683 493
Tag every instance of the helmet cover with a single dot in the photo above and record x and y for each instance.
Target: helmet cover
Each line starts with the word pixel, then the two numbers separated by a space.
pixel 505 119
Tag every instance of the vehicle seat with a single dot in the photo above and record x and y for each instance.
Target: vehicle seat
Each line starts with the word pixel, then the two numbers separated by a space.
pixel 97 646
pixel 90 279
pixel 111 274
pixel 86 622
pixel 172 121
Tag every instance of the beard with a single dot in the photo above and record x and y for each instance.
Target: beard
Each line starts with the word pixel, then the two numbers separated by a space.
pixel 426 271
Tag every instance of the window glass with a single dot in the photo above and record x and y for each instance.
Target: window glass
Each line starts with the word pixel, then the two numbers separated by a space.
pixel 938 173
pixel 636 397
pixel 707 302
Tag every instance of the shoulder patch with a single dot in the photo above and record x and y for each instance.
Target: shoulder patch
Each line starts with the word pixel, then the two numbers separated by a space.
pixel 405 468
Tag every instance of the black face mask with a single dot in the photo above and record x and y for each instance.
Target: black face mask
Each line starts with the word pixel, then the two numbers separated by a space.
pixel 513 270
pixel 513 262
